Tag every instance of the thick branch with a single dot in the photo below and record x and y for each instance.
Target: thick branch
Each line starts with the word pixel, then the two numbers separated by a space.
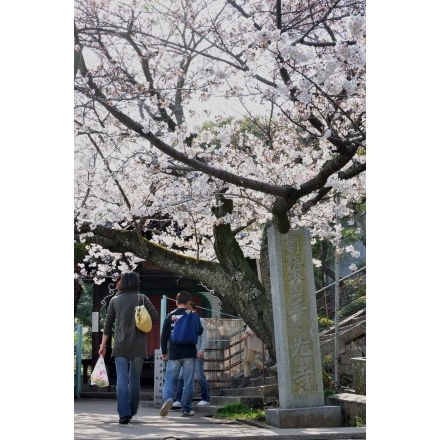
pixel 128 241
pixel 182 157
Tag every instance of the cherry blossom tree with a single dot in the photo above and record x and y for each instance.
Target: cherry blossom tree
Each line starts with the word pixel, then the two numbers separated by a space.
pixel 200 123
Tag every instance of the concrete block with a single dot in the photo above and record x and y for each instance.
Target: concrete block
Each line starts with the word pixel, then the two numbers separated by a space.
pixel 352 405
pixel 312 417
pixel 359 372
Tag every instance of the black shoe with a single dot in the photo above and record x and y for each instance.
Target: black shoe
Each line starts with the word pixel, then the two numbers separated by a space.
pixel 124 420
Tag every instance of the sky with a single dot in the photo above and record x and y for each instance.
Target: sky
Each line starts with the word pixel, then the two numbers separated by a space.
pixel 37 201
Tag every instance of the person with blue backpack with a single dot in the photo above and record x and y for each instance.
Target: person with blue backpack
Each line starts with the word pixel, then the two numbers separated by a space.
pixel 180 331
pixel 199 372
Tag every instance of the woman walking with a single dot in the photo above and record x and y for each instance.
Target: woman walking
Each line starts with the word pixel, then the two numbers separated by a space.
pixel 130 344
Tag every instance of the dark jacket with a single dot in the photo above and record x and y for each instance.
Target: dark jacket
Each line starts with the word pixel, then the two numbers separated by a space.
pixel 176 351
pixel 128 340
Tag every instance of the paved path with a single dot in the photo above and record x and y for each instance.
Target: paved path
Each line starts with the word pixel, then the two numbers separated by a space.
pixel 97 419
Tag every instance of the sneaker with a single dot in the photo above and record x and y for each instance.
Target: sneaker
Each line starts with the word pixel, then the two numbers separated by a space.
pixel 166 407
pixel 187 413
pixel 203 403
pixel 177 404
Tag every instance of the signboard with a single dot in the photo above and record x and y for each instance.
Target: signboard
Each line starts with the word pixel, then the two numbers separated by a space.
pixel 159 376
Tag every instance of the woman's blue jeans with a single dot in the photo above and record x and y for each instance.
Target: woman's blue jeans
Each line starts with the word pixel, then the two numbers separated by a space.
pixel 201 379
pixel 128 384
pixel 172 375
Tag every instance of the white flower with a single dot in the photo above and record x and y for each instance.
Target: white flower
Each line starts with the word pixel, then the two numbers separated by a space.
pixel 262 36
pixel 353 252
pixel 317 263
pixel 356 25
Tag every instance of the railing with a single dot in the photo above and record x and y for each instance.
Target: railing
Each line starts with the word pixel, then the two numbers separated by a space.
pixel 224 350
pixel 351 288
pixel 224 357
pixel 224 361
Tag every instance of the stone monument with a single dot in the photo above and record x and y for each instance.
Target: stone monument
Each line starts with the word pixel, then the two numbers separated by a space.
pixel 299 368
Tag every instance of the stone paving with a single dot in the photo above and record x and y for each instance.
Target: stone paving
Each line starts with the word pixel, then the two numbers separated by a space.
pixel 97 419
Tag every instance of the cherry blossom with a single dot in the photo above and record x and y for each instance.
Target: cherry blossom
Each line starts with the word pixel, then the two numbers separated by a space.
pixel 285 102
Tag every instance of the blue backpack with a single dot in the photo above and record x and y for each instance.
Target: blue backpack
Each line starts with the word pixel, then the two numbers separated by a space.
pixel 186 328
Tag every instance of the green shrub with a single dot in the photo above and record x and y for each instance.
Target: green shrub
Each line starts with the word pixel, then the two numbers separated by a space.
pixel 239 410
pixel 355 288
pixel 327 379
pixel 324 323
pixel 358 422
pixel 353 307
pixel 329 392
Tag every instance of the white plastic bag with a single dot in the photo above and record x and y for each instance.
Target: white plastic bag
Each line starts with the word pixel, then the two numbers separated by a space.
pixel 99 374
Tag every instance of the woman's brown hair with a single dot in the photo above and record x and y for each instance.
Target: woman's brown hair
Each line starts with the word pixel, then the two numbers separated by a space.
pixel 129 281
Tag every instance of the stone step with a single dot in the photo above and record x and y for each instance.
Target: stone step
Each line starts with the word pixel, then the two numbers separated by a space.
pixel 95 392
pixel 252 399
pixel 269 378
pixel 325 335
pixel 207 411
pixel 219 397
pixel 266 390
pixel 144 395
pixel 346 323
pixel 252 396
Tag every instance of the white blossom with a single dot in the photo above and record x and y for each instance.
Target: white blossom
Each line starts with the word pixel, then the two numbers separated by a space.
pixel 356 25
pixel 317 263
pixel 244 117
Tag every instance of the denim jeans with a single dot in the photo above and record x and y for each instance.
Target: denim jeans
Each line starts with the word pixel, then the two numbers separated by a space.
pixel 128 384
pixel 172 371
pixel 201 379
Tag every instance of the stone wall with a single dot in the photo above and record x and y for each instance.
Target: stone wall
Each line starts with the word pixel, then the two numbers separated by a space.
pixel 352 344
pixel 359 371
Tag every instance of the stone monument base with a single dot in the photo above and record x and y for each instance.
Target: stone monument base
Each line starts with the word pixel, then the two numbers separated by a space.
pixel 313 417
